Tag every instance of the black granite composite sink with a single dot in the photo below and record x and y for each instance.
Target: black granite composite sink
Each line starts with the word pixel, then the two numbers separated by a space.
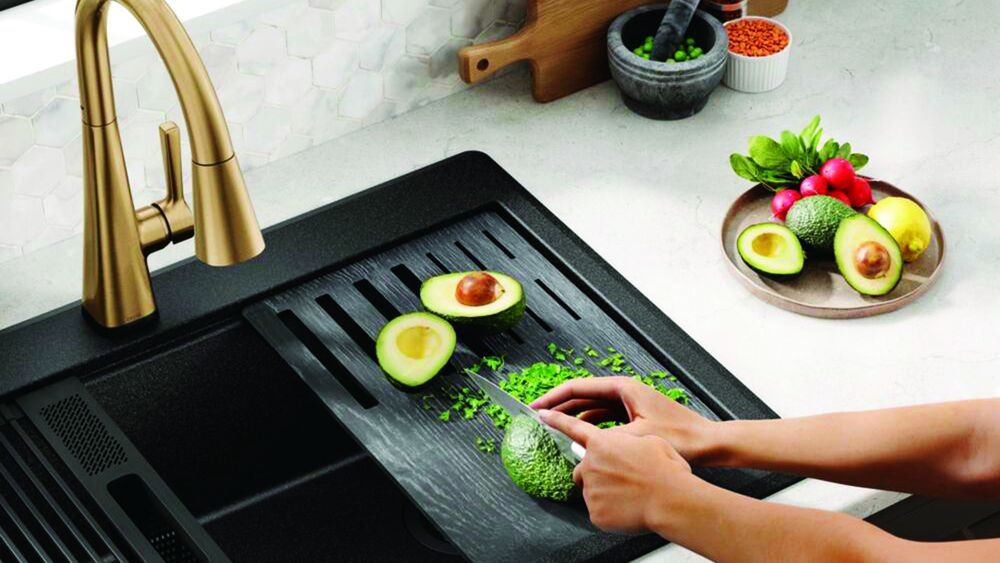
pixel 249 448
pixel 252 453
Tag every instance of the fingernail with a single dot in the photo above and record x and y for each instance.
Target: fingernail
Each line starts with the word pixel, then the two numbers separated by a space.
pixel 543 413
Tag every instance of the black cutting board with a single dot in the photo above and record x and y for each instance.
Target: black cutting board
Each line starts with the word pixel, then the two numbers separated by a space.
pixel 325 330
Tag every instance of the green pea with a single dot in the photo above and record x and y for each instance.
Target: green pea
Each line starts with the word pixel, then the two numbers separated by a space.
pixel 648 47
pixel 645 56
pixel 649 39
pixel 689 41
pixel 697 52
pixel 671 61
pixel 680 55
pixel 638 51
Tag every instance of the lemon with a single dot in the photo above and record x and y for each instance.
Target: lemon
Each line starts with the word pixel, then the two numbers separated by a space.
pixel 906 222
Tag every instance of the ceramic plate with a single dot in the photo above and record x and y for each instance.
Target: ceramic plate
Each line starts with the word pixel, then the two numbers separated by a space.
pixel 820 291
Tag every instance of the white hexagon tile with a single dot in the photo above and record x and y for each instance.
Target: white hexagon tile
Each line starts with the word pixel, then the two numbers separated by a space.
pixel 287 79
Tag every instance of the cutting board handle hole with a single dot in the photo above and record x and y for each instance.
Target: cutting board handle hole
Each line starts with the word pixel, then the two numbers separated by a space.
pixel 483 64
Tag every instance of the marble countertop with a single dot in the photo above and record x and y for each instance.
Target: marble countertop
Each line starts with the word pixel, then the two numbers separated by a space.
pixel 903 85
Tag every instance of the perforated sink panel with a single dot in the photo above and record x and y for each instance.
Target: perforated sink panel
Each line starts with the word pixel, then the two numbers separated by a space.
pixel 325 329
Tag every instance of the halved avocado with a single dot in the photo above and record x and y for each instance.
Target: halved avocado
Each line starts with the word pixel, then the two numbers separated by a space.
pixel 771 249
pixel 412 348
pixel 439 295
pixel 867 256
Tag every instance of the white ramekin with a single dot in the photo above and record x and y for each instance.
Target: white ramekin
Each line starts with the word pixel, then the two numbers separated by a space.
pixel 757 74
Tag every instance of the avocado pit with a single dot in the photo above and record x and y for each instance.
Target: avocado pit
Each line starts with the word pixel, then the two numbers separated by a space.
pixel 872 260
pixel 477 289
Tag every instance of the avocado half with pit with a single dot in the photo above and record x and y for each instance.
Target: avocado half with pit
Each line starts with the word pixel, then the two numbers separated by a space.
pixel 771 249
pixel 488 301
pixel 413 348
pixel 867 256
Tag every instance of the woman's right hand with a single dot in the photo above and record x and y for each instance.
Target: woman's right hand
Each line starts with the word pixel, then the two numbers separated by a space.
pixel 644 410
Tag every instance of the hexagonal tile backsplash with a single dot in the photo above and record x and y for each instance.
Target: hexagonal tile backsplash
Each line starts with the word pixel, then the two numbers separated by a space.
pixel 287 79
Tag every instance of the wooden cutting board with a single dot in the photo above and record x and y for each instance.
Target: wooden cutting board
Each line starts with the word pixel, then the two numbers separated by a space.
pixel 564 40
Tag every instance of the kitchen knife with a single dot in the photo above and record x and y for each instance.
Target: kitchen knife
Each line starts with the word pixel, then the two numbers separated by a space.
pixel 569 449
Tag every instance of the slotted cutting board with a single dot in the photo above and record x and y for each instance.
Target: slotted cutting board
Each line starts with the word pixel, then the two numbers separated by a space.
pixel 564 40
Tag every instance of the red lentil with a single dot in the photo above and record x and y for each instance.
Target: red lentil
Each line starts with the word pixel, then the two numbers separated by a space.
pixel 755 38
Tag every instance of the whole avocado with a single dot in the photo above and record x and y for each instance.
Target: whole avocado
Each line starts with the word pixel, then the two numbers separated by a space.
pixel 815 220
pixel 534 463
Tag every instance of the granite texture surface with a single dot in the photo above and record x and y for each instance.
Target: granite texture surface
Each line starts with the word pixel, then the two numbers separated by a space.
pixel 897 81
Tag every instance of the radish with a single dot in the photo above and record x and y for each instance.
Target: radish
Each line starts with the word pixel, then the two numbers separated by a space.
pixel 839 173
pixel 837 194
pixel 860 193
pixel 783 201
pixel 813 185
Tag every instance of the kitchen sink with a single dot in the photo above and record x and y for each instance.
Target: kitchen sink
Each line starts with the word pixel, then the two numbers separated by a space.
pixel 205 437
pixel 255 456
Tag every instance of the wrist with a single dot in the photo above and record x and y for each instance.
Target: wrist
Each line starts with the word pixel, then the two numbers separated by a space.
pixel 675 503
pixel 710 444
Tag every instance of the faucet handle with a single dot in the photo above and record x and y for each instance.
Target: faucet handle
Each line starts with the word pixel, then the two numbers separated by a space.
pixel 175 209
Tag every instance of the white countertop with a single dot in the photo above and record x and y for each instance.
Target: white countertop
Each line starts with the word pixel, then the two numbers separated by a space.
pixel 650 196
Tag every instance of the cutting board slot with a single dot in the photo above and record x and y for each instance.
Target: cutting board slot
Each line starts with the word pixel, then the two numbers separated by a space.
pixel 534 316
pixel 381 304
pixel 326 358
pixel 442 269
pixel 558 300
pixel 498 244
pixel 357 334
pixel 407 277
pixel 479 263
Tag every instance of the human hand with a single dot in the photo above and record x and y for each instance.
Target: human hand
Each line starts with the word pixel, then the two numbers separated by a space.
pixel 646 411
pixel 626 479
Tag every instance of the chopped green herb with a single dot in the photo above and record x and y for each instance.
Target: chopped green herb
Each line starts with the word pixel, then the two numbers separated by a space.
pixel 495 363
pixel 426 401
pixel 486 445
pixel 532 382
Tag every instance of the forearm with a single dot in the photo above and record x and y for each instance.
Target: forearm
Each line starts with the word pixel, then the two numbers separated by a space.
pixel 724 526
pixel 948 449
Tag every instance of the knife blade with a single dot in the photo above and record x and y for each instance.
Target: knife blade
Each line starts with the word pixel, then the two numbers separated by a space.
pixel 569 449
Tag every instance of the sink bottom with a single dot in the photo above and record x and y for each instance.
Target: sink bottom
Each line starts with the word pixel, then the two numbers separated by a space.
pixel 257 458
pixel 350 511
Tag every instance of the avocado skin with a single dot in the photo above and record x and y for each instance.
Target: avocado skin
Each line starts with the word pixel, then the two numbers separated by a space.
pixel 504 320
pixel 815 220
pixel 533 461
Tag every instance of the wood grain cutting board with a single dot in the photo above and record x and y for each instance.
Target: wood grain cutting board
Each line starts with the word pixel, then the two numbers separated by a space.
pixel 564 40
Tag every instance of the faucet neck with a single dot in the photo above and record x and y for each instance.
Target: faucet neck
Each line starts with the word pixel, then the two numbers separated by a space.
pixel 209 134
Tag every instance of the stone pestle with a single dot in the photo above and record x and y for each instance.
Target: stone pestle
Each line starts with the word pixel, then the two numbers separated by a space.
pixel 670 34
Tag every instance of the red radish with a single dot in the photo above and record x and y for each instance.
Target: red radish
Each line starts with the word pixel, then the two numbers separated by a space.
pixel 813 185
pixel 837 194
pixel 860 193
pixel 783 201
pixel 839 173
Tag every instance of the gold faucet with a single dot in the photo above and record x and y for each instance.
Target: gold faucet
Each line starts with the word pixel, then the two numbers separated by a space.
pixel 117 238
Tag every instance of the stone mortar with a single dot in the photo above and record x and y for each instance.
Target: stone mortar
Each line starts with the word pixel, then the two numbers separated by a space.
pixel 658 90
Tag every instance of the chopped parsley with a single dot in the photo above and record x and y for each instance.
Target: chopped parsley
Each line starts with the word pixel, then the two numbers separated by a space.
pixel 531 382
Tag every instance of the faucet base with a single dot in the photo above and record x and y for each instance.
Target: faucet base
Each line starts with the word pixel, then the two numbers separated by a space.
pixel 116 286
